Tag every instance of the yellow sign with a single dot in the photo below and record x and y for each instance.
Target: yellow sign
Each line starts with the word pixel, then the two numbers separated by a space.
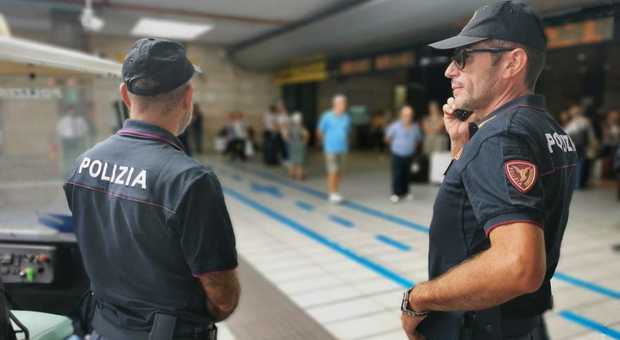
pixel 396 60
pixel 316 71
pixel 351 67
pixel 579 33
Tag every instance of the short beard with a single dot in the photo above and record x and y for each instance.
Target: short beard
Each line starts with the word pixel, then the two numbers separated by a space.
pixel 483 101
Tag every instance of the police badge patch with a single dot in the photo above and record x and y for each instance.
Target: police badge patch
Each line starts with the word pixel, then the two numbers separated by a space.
pixel 522 174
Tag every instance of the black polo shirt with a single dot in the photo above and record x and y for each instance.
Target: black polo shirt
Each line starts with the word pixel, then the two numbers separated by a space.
pixel 148 220
pixel 518 167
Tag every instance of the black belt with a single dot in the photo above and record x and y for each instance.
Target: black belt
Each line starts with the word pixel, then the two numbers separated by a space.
pixel 164 328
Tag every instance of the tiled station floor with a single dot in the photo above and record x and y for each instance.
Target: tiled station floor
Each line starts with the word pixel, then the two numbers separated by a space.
pixel 345 266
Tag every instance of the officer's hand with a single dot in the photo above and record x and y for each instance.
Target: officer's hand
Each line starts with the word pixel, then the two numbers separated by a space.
pixel 410 324
pixel 457 129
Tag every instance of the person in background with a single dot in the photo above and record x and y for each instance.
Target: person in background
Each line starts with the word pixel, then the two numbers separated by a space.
pixel 333 131
pixel 72 129
pixel 270 154
pixel 237 137
pixel 435 139
pixel 297 138
pixel 250 142
pixel 282 122
pixel 404 137
pixel 582 134
pixel 610 141
pixel 196 129
pixel 564 118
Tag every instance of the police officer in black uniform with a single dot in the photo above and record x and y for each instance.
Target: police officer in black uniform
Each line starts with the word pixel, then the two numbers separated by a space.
pixel 501 211
pixel 151 222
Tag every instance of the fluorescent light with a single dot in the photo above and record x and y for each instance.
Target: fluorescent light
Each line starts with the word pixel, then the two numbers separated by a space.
pixel 169 29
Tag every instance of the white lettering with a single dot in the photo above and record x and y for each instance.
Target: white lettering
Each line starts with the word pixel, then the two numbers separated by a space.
pixel 92 171
pixel 122 175
pixel 550 142
pixel 120 179
pixel 563 142
pixel 103 176
pixel 140 179
pixel 129 176
pixel 113 173
pixel 558 141
pixel 84 165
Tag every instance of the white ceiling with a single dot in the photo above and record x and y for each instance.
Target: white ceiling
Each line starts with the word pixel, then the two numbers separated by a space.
pixel 234 20
pixel 362 26
pixel 288 10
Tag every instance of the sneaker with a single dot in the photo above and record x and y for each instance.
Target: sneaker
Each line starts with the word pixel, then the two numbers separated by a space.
pixel 410 197
pixel 335 198
pixel 394 198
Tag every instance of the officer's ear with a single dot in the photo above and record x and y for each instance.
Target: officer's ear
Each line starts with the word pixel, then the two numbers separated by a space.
pixel 125 95
pixel 188 99
pixel 516 62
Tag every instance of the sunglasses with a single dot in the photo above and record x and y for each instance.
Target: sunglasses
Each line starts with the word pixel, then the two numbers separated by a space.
pixel 461 55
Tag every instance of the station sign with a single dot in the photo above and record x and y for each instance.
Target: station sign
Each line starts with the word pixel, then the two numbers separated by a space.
pixel 30 93
pixel 354 67
pixel 580 33
pixel 395 60
pixel 315 71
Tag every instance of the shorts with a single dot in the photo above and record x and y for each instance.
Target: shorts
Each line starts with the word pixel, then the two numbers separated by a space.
pixel 334 162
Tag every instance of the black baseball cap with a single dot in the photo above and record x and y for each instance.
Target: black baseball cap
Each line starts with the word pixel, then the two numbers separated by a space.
pixel 504 20
pixel 161 64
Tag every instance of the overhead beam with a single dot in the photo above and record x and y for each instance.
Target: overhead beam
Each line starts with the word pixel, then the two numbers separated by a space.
pixel 338 8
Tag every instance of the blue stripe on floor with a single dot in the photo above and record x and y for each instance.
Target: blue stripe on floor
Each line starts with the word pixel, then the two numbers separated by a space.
pixel 304 205
pixel 342 221
pixel 348 204
pixel 587 285
pixel 359 207
pixel 593 325
pixel 393 243
pixel 383 271
pixel 267 189
pixel 377 268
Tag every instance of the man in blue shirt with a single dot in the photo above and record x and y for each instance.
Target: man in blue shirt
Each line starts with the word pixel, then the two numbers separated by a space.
pixel 333 131
pixel 404 136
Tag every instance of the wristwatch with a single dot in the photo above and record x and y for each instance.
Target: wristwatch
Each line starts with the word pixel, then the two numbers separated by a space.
pixel 407 310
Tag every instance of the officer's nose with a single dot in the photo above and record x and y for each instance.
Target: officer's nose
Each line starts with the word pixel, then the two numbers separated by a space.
pixel 451 71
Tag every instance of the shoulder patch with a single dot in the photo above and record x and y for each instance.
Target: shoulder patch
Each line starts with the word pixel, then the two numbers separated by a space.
pixel 522 174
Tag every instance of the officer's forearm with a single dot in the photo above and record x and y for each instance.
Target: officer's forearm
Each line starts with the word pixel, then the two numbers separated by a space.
pixel 473 285
pixel 497 275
